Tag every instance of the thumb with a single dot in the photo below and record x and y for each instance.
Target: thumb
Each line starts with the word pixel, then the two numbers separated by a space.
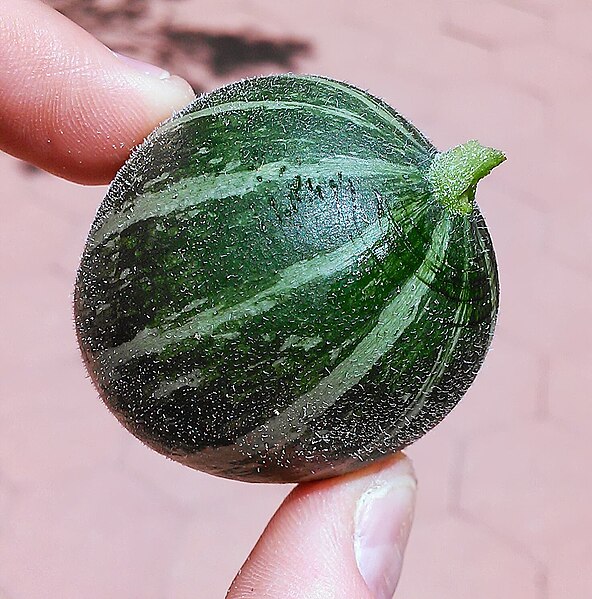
pixel 342 537
pixel 67 103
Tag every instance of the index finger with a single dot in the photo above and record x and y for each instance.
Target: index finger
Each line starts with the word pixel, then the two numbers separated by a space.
pixel 67 103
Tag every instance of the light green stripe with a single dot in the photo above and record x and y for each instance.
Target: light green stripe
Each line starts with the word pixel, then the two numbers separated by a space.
pixel 445 354
pixel 392 323
pixel 378 110
pixel 191 379
pixel 440 365
pixel 209 188
pixel 246 106
pixel 207 322
pixel 491 276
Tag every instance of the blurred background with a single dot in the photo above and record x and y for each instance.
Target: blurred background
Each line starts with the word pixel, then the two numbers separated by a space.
pixel 505 484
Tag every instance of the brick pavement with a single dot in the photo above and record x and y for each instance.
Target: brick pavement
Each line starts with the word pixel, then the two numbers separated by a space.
pixel 86 511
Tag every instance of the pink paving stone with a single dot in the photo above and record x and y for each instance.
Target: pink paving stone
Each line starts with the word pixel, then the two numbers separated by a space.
pixel 352 44
pixel 221 14
pixel 546 307
pixel 39 331
pixel 436 458
pixel 36 324
pixel 552 71
pixel 52 423
pixel 414 98
pixel 572 30
pixel 192 490
pixel 520 234
pixel 572 129
pixel 570 238
pixel 4 594
pixel 507 390
pixel 7 498
pixel 544 167
pixel 43 442
pixel 484 112
pixel 569 572
pixel 381 42
pixel 357 31
pixel 529 484
pixel 400 19
pixel 382 51
pixel 444 60
pixel 562 81
pixel 173 480
pixel 99 536
pixel 13 182
pixel 546 8
pixel 519 231
pixel 537 172
pixel 217 17
pixel 453 558
pixel 219 536
pixel 57 375
pixel 374 18
pixel 72 203
pixel 491 24
pixel 28 319
pixel 20 231
pixel 570 395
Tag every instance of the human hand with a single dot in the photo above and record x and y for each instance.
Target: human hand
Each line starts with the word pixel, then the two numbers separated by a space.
pixel 69 104
pixel 72 107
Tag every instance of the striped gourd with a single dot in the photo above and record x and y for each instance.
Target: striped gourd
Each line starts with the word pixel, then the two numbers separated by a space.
pixel 286 280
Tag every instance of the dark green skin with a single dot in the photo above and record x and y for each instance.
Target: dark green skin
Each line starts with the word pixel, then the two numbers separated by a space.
pixel 271 291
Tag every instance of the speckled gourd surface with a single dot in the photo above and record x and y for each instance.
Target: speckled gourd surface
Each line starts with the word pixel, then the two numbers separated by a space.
pixel 286 280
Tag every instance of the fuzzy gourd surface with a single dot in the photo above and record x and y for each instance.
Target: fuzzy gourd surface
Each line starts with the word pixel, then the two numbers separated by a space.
pixel 286 281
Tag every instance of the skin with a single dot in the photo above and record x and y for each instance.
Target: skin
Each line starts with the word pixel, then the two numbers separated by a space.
pixel 80 112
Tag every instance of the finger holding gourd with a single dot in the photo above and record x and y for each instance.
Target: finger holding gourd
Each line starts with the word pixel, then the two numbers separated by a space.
pixel 286 281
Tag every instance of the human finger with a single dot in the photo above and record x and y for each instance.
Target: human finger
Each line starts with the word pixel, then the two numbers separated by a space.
pixel 70 105
pixel 343 537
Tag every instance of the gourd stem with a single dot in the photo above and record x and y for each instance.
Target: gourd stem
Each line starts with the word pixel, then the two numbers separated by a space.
pixel 454 174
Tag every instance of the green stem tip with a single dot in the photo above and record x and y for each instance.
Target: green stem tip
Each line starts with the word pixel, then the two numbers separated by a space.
pixel 454 174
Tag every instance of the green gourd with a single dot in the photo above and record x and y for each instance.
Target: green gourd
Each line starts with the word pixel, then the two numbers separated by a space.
pixel 286 281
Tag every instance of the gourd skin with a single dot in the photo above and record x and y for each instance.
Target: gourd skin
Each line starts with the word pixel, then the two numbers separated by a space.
pixel 271 290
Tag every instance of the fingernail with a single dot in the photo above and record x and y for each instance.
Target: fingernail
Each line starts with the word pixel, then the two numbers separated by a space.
pixel 144 67
pixel 168 95
pixel 383 519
